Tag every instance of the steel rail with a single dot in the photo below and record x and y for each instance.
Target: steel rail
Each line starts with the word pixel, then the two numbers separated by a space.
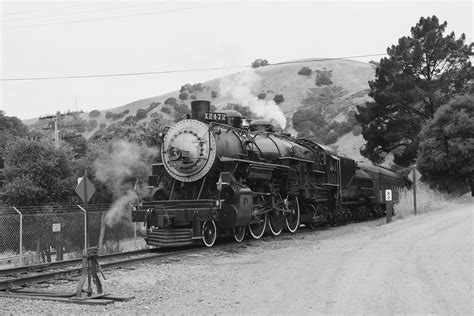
pixel 66 263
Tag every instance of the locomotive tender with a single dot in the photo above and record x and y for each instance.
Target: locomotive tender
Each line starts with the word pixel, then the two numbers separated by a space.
pixel 221 176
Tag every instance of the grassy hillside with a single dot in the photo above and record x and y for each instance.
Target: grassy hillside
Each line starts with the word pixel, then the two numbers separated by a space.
pixel 327 89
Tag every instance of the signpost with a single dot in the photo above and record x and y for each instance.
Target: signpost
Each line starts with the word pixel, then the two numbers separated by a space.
pixel 85 189
pixel 388 205
pixel 415 175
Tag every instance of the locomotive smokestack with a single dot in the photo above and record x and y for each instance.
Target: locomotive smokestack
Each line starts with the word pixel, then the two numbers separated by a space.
pixel 198 108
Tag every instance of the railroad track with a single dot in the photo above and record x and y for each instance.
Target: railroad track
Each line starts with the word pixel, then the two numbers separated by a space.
pixel 18 277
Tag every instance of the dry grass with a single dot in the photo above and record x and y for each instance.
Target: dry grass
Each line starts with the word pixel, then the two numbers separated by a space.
pixel 427 200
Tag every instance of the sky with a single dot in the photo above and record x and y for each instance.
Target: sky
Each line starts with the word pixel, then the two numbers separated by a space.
pixel 81 38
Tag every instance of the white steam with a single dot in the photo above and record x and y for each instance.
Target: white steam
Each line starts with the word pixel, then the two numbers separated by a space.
pixel 118 169
pixel 240 88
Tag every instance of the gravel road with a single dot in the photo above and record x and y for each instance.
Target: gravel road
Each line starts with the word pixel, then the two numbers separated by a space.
pixel 418 265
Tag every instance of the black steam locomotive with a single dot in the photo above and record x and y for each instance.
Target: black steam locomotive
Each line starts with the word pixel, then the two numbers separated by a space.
pixel 220 176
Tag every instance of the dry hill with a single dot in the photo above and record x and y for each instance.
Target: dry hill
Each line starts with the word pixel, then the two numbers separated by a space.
pixel 329 89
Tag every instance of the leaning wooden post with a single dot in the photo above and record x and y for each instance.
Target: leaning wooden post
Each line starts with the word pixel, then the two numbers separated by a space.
pixel 21 235
pixel 414 189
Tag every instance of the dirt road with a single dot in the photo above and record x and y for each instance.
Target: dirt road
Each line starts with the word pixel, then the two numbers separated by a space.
pixel 419 265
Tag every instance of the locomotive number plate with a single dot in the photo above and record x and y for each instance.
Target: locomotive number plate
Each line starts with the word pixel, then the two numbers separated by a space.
pixel 216 117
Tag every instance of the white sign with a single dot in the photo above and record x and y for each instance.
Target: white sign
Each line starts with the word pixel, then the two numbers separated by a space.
pixel 56 227
pixel 388 195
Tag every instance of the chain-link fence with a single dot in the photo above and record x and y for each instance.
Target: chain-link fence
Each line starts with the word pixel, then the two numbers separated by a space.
pixel 40 234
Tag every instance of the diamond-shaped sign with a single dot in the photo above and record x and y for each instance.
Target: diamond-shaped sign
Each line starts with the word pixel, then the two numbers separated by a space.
pixel 85 189
pixel 416 173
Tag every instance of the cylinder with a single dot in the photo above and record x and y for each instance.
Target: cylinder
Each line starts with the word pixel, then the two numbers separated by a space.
pixel 198 108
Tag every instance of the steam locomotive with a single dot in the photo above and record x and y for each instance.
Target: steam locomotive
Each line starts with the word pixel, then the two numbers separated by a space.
pixel 222 175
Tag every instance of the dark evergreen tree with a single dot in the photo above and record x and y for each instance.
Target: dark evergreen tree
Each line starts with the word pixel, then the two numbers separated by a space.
pixel 446 157
pixel 423 72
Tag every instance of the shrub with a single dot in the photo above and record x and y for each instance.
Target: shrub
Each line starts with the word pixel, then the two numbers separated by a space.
pixel 183 96
pixel 91 125
pixel 262 96
pixel 94 113
pixel 141 114
pixel 129 119
pixel 259 63
pixel 193 97
pixel 279 99
pixel 323 77
pixel 171 101
pixel 108 115
pixel 213 94
pixel 165 109
pixel 305 71
pixel 80 128
pixel 102 125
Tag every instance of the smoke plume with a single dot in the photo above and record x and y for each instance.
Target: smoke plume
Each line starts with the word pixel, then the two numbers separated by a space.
pixel 119 168
pixel 240 88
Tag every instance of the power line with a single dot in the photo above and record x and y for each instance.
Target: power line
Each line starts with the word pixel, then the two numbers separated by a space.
pixel 80 12
pixel 120 16
pixel 49 10
pixel 181 70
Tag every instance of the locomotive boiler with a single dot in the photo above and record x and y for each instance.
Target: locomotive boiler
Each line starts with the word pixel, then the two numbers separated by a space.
pixel 219 175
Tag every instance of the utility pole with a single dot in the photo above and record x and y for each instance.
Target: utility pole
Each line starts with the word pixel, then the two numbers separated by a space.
pixel 57 124
pixel 57 130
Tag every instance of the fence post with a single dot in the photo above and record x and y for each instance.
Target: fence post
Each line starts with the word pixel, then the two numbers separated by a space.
pixel 135 235
pixel 85 226
pixel 21 235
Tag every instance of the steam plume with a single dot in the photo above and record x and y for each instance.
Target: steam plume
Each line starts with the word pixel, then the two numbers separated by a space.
pixel 240 88
pixel 118 169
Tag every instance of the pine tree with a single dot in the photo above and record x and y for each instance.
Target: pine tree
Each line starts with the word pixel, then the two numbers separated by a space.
pixel 423 72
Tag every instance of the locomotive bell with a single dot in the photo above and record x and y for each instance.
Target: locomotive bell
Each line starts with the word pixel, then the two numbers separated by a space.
pixel 198 108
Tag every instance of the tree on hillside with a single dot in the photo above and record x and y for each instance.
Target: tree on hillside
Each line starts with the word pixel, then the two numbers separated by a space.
pixel 447 149
pixel 423 71
pixel 37 173
pixel 260 63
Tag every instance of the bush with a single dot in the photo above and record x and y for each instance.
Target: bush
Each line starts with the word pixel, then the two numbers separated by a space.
pixel 305 71
pixel 165 109
pixel 262 96
pixel 94 113
pixel 213 94
pixel 141 114
pixel 129 120
pixel 91 125
pixel 102 125
pixel 108 115
pixel 193 97
pixel 171 101
pixel 259 63
pixel 323 77
pixel 80 128
pixel 279 99
pixel 183 96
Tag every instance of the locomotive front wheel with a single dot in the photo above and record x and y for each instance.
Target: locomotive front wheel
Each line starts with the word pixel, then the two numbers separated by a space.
pixel 209 232
pixel 239 233
pixel 276 221
pixel 258 229
pixel 292 219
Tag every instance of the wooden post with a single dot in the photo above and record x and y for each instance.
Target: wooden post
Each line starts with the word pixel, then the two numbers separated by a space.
pixel 388 205
pixel 414 189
